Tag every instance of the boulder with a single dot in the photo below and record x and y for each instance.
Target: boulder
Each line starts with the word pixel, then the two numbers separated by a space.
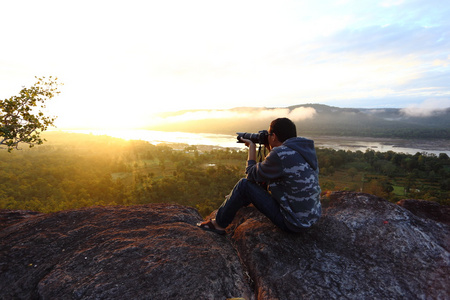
pixel 8 217
pixel 427 209
pixel 137 252
pixel 362 248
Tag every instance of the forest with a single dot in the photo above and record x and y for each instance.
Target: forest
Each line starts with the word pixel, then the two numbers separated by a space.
pixel 79 170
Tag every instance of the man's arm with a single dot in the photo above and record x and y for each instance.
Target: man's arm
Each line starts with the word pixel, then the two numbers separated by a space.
pixel 251 149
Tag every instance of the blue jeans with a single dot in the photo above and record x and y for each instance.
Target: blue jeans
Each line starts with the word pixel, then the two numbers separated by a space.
pixel 244 193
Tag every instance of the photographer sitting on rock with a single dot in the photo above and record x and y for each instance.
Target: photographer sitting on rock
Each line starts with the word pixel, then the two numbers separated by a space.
pixel 290 171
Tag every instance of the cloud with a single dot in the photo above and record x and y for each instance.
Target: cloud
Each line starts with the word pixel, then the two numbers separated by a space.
pixel 146 56
pixel 297 114
pixel 302 113
pixel 427 108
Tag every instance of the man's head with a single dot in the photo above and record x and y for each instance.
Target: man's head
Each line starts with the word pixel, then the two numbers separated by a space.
pixel 283 128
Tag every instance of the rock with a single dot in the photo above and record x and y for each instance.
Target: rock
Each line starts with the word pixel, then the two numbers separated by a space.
pixel 363 248
pixel 427 209
pixel 8 217
pixel 140 252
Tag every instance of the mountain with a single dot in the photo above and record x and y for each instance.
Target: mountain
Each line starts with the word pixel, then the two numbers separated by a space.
pixel 364 247
pixel 314 120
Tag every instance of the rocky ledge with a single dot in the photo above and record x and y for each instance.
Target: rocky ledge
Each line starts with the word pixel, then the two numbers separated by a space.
pixel 363 248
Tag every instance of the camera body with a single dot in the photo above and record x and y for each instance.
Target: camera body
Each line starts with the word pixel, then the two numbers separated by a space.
pixel 262 137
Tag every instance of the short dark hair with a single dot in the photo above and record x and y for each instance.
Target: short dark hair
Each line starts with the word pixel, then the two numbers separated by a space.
pixel 284 128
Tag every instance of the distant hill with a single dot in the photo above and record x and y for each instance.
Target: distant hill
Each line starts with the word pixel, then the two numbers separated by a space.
pixel 314 119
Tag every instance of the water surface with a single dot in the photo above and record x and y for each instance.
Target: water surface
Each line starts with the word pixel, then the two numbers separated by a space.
pixel 409 146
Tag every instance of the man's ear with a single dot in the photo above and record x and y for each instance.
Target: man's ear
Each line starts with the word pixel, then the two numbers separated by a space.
pixel 276 140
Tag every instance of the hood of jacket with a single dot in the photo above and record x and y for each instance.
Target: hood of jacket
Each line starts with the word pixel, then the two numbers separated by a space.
pixel 305 147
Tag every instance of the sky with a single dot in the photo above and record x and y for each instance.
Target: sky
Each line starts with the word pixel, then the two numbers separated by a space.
pixel 124 62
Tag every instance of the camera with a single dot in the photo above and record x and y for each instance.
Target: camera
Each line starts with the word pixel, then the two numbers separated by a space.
pixel 262 137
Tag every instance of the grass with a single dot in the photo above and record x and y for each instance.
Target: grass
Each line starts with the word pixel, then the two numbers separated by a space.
pixel 399 190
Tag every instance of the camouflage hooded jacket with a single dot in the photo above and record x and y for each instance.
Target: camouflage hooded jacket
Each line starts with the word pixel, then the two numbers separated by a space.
pixel 291 172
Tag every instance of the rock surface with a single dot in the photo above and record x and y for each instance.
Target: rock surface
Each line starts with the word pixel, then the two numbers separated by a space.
pixel 363 248
pixel 140 252
pixel 427 209
pixel 8 217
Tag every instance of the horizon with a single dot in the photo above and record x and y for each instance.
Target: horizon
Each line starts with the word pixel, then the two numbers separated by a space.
pixel 175 121
pixel 177 138
pixel 130 61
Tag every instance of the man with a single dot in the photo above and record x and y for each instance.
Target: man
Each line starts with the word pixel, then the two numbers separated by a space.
pixel 290 171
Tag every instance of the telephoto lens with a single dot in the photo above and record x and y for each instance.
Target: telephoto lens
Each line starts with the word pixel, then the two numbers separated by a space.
pixel 258 138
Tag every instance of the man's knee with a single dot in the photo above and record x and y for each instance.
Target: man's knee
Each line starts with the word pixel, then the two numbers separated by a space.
pixel 248 185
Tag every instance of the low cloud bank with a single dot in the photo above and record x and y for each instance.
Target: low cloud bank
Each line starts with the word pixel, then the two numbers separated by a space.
pixel 297 114
pixel 428 108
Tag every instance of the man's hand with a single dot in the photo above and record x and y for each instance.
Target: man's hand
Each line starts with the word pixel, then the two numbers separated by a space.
pixel 247 142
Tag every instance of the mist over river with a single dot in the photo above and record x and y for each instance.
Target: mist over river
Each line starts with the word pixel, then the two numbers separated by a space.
pixel 409 146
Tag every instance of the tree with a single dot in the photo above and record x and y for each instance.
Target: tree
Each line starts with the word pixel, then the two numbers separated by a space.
pixel 21 117
pixel 352 172
pixel 443 156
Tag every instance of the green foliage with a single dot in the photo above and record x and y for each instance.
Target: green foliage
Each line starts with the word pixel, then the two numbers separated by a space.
pixel 389 174
pixel 56 178
pixel 75 170
pixel 21 117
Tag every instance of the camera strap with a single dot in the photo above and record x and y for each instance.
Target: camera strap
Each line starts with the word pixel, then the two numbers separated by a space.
pixel 260 155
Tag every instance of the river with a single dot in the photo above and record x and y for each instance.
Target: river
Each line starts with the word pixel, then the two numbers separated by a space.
pixel 409 146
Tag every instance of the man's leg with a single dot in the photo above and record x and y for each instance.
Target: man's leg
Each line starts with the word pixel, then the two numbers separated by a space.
pixel 244 193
